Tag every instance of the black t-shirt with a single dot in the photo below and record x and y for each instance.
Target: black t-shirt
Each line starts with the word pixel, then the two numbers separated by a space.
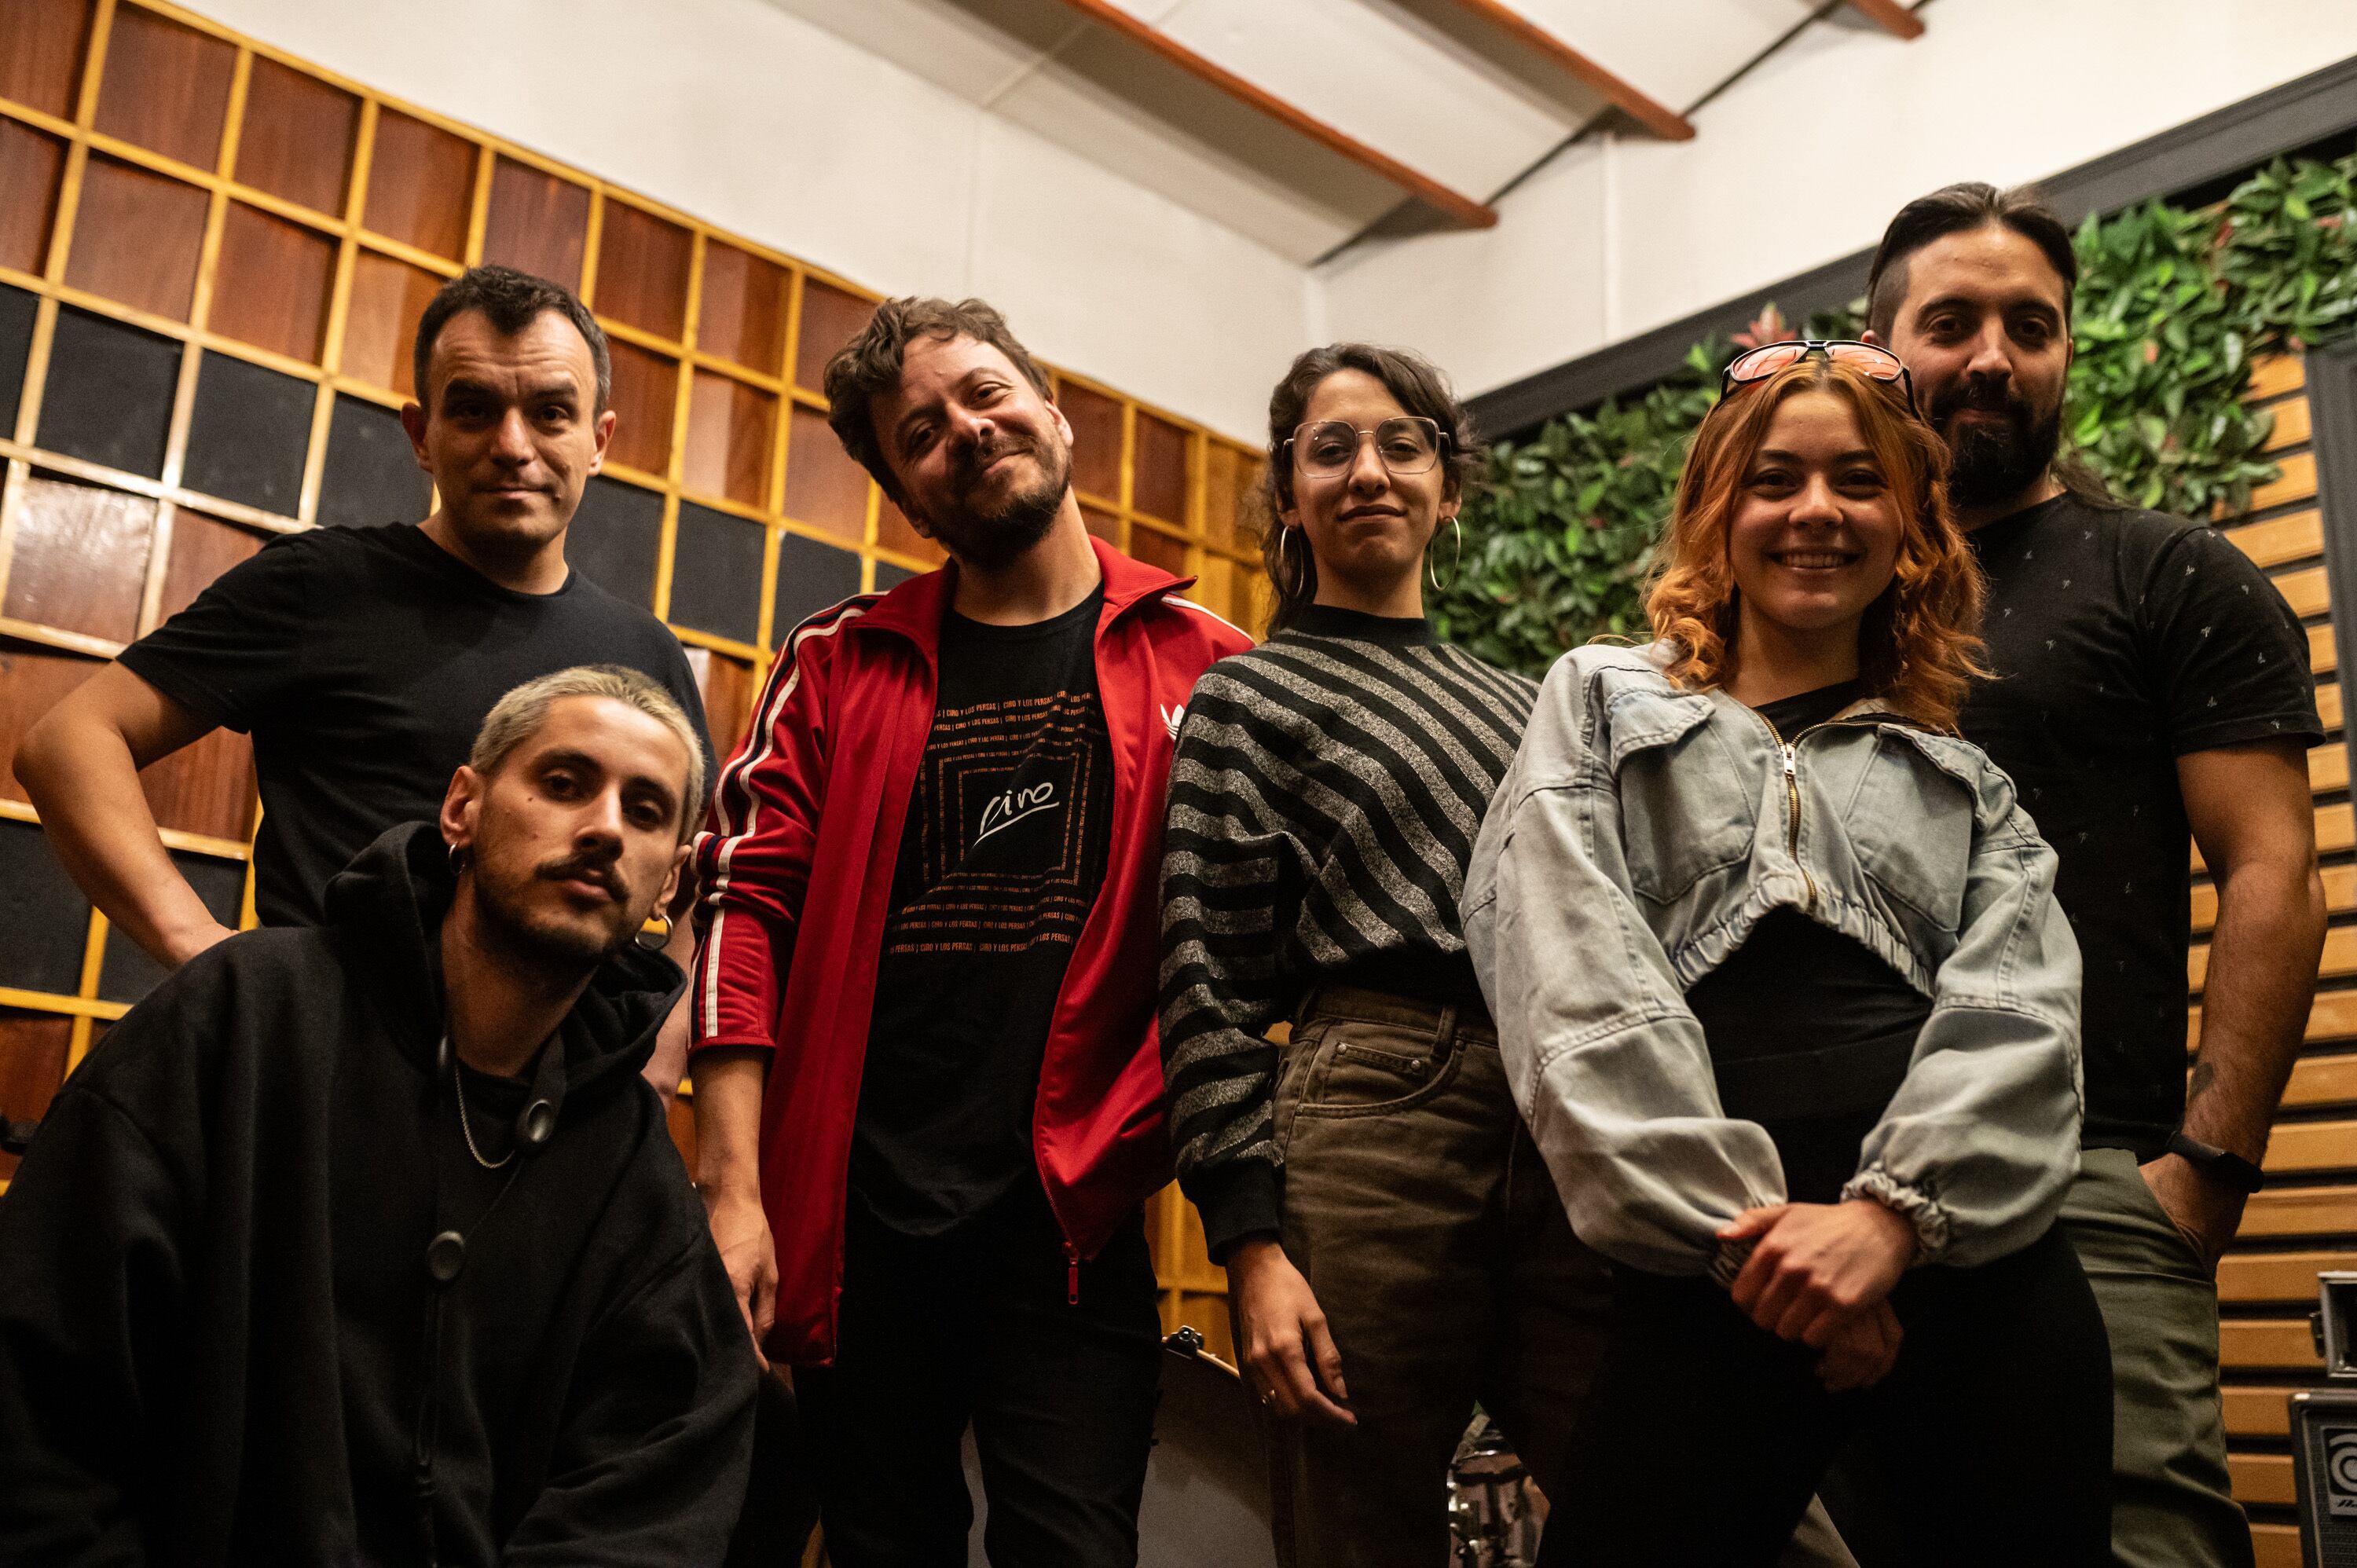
pixel 1003 850
pixel 362 662
pixel 2122 640
pixel 1810 1032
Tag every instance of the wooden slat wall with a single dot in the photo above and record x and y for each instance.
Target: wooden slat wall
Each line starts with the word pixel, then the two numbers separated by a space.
pixel 2306 1219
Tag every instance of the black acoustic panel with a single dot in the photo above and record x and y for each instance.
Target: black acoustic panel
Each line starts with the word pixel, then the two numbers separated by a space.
pixel 108 397
pixel 716 573
pixel 615 538
pixel 888 577
pixel 372 475
pixel 45 916
pixel 17 309
pixel 126 974
pixel 248 435
pixel 810 577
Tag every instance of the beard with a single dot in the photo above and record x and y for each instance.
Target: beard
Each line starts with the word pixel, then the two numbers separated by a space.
pixel 1991 463
pixel 990 538
pixel 521 925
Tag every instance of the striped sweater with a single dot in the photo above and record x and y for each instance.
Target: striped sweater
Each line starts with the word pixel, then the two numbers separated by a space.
pixel 1324 800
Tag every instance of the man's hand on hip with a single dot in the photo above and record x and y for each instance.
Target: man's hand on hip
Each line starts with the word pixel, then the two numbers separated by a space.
pixel 2206 1211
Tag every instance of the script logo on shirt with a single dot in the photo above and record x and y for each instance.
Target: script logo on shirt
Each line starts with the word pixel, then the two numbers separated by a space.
pixel 1011 806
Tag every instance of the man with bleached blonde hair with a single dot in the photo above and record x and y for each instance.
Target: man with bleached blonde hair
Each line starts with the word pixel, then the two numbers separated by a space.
pixel 366 1242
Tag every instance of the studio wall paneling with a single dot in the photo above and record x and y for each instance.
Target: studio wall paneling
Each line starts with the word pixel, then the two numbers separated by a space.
pixel 213 258
pixel 2306 1219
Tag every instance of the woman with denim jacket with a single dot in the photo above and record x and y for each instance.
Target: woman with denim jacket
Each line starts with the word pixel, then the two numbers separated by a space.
pixel 1393 1247
pixel 1789 1006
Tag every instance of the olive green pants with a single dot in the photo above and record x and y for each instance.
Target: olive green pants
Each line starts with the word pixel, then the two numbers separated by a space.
pixel 1424 1220
pixel 2172 1503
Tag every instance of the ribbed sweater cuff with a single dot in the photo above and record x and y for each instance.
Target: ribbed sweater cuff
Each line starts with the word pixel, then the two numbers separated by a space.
pixel 1238 1201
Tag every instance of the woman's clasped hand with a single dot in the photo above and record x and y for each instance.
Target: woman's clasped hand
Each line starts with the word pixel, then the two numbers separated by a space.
pixel 1820 1274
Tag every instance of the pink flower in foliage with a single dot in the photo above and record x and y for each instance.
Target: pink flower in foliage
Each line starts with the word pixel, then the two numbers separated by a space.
pixel 1768 326
pixel 2151 351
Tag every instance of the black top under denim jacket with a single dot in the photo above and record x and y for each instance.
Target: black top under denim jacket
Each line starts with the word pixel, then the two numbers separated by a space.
pixel 1325 795
pixel 1810 1032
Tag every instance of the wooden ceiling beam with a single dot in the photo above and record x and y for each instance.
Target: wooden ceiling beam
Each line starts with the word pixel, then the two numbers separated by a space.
pixel 1462 209
pixel 1614 88
pixel 1891 16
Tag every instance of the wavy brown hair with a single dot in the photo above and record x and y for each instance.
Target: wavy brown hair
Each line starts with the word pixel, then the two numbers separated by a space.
pixel 1919 645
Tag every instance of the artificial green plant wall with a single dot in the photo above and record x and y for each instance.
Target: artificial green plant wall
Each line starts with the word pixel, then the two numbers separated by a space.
pixel 2172 307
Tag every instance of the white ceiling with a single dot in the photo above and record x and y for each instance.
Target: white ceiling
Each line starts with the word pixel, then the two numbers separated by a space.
pixel 1426 82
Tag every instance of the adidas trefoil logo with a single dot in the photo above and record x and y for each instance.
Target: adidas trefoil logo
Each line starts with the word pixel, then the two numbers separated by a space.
pixel 1170 717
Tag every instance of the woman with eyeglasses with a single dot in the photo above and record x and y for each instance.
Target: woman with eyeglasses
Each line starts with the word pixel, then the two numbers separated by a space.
pixel 1793 1013
pixel 1394 1252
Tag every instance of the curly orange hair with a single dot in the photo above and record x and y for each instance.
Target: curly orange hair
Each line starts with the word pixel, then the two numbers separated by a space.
pixel 1919 645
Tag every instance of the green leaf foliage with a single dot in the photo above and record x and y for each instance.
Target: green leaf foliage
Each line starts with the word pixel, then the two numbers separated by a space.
pixel 2172 307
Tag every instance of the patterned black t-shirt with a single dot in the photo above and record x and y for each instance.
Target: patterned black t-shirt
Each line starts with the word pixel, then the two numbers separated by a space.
pixel 2122 640
pixel 1003 850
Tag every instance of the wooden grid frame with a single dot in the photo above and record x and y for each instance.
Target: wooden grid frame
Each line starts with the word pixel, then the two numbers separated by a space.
pixel 358 240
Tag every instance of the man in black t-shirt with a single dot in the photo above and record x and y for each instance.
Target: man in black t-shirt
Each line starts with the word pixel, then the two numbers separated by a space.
pixel 363 660
pixel 2149 680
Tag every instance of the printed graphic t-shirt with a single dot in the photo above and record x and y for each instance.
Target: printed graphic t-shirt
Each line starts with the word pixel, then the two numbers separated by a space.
pixel 1000 862
pixel 2122 640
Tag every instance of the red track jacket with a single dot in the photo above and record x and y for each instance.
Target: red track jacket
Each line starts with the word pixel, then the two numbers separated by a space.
pixel 795 863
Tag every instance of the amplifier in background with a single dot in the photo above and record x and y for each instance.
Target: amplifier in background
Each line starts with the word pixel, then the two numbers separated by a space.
pixel 2324 1433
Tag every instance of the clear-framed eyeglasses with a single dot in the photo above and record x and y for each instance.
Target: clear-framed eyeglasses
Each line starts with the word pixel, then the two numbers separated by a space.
pixel 1327 449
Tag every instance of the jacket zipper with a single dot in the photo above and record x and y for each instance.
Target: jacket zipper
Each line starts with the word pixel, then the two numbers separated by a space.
pixel 1071 1275
pixel 1792 779
pixel 1793 796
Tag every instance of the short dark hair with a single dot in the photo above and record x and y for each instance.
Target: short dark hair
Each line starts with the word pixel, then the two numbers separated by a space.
pixel 870 364
pixel 1416 384
pixel 511 301
pixel 1957 209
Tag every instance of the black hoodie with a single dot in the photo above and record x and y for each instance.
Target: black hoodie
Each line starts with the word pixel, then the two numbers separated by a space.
pixel 214 1297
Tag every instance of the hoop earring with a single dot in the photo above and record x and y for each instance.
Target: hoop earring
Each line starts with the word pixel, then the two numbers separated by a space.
pixel 458 860
pixel 1456 565
pixel 649 941
pixel 1301 567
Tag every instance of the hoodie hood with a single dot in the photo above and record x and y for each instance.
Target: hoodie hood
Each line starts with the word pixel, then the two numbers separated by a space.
pixel 387 908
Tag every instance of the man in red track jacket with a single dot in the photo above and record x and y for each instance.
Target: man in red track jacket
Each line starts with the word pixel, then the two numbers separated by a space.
pixel 928 1097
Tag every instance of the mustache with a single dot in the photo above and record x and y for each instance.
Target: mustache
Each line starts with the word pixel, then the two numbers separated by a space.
pixel 1980 396
pixel 597 869
pixel 983 454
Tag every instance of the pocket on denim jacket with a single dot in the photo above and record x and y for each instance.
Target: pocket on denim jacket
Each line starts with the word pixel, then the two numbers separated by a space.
pixel 1910 823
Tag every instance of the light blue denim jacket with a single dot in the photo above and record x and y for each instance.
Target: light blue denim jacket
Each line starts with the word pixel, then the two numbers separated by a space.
pixel 1641 834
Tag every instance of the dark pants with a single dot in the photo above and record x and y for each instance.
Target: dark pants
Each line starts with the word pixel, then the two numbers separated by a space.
pixel 1989 1443
pixel 1422 1218
pixel 780 1500
pixel 976 1327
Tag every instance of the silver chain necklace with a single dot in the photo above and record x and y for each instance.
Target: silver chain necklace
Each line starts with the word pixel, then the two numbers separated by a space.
pixel 465 1130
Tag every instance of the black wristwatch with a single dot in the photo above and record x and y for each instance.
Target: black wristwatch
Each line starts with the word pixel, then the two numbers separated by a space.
pixel 2223 1167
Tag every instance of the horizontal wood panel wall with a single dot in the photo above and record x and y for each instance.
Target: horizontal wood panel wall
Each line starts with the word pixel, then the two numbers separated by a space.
pixel 242 244
pixel 2306 1219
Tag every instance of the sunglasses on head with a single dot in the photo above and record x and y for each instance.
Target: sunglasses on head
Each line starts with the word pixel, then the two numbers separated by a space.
pixel 1877 363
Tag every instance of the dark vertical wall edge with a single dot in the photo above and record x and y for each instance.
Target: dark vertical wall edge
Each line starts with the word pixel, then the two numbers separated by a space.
pixel 2332 408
